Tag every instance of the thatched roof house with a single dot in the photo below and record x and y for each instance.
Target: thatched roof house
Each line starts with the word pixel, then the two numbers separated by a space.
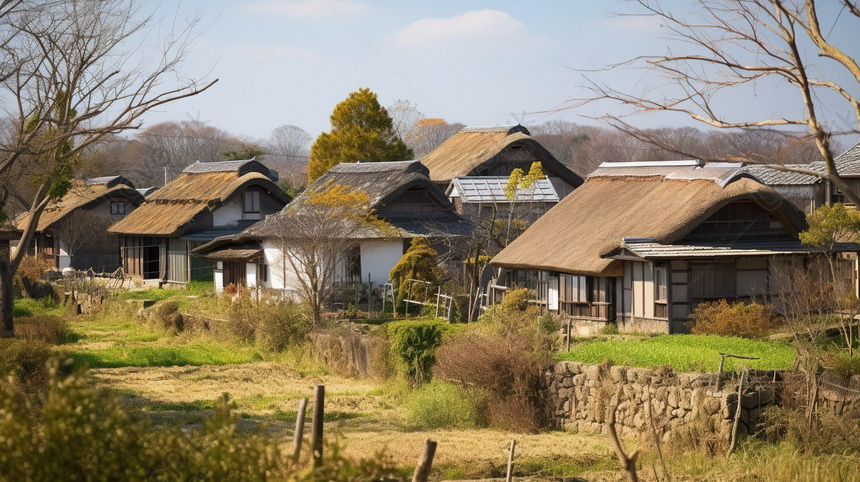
pixel 494 151
pixel 85 194
pixel 400 193
pixel 200 189
pixel 578 234
pixel 110 197
pixel 641 244
pixel 207 200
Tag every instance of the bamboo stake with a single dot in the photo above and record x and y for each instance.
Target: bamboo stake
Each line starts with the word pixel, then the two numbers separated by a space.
pixel 300 430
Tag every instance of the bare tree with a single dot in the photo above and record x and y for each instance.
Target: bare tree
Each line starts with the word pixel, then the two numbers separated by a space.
pixel 171 146
pixel 288 149
pixel 315 235
pixel 74 80
pixel 733 44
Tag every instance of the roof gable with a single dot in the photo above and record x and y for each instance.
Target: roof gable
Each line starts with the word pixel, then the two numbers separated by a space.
pixel 464 153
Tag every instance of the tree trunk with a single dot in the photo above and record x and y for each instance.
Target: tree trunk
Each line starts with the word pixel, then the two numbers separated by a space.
pixel 7 329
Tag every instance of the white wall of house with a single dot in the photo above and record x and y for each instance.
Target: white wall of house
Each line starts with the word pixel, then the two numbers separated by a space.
pixel 218 276
pixel 251 274
pixel 228 214
pixel 378 257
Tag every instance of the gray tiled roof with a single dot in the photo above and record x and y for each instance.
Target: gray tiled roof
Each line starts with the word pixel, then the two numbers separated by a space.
pixel 508 129
pixel 479 189
pixel 242 167
pixel 776 177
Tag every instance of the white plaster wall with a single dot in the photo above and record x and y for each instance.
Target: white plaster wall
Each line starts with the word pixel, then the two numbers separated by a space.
pixel 228 214
pixel 251 274
pixel 378 257
pixel 219 281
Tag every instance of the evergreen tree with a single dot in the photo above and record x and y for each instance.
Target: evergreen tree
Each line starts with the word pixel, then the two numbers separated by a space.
pixel 361 130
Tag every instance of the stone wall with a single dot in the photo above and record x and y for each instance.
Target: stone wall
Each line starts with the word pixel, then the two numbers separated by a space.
pixel 578 396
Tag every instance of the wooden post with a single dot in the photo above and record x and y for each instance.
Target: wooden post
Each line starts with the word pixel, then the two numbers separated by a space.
pixel 425 463
pixel 510 475
pixel 300 430
pixel 317 433
pixel 720 372
pixel 734 441
pixel 567 342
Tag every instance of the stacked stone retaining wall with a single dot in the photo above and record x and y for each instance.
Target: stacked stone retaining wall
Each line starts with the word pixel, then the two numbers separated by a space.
pixel 579 394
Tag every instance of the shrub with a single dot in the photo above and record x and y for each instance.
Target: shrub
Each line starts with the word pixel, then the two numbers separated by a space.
pixel 842 365
pixel 24 360
pixel 506 369
pixel 278 324
pixel 351 353
pixel 413 346
pixel 753 320
pixel 47 328
pixel 441 404
pixel 518 299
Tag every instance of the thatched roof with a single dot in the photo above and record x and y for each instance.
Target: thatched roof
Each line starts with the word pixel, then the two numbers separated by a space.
pixel 464 153
pixel 83 194
pixel 382 182
pixel 577 234
pixel 173 209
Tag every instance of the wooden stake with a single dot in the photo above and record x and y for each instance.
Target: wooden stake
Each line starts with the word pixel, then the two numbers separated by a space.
pixel 510 475
pixel 317 432
pixel 300 430
pixel 734 441
pixel 425 463
pixel 567 343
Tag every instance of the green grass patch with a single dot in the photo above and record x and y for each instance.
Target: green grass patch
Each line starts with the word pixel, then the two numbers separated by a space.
pixel 112 329
pixel 194 354
pixel 23 307
pixel 685 352
pixel 440 404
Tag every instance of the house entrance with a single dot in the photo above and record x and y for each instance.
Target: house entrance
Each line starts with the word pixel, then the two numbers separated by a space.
pixel 151 260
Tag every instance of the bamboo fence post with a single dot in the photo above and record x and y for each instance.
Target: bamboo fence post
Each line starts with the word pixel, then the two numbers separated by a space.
pixel 300 430
pixel 425 463
pixel 510 475
pixel 317 432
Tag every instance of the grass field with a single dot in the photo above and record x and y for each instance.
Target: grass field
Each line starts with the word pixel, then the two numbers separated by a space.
pixel 684 352
pixel 177 378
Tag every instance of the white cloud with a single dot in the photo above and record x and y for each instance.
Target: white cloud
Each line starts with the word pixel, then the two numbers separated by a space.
pixel 300 9
pixel 483 24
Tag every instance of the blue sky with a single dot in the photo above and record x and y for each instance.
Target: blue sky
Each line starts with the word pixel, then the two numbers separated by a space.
pixel 475 62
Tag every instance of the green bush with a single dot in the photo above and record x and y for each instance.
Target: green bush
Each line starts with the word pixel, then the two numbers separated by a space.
pixel 753 320
pixel 517 299
pixel 440 404
pixel 413 346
